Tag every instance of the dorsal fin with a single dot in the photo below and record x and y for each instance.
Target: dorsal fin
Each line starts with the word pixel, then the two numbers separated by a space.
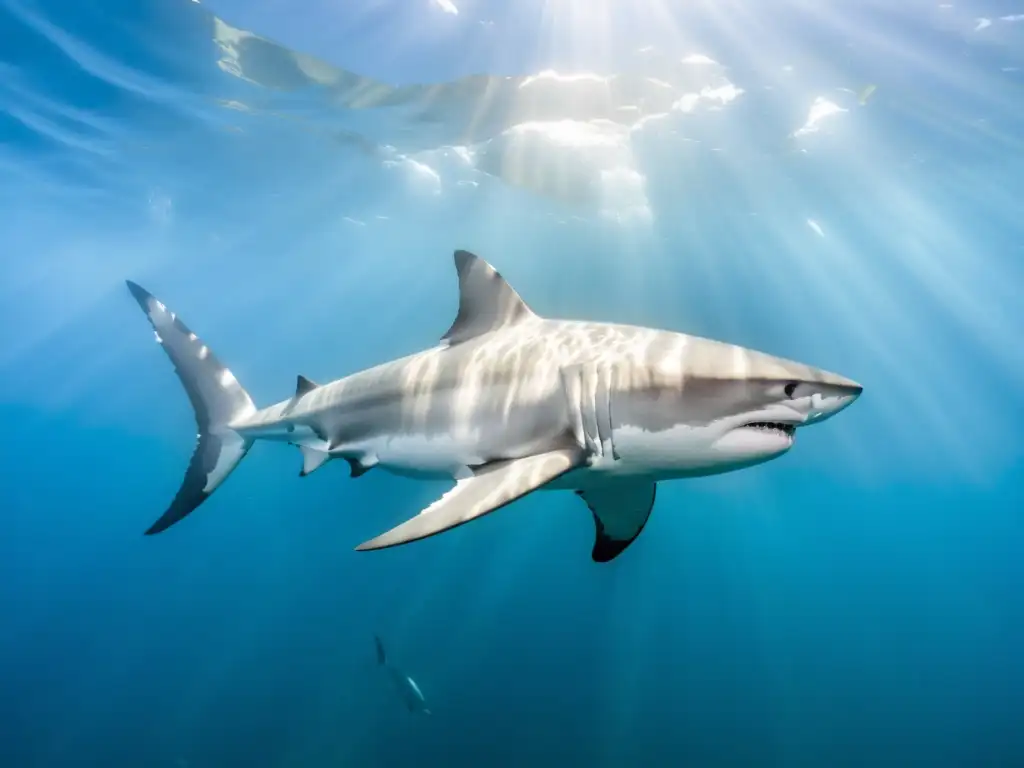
pixel 304 386
pixel 486 301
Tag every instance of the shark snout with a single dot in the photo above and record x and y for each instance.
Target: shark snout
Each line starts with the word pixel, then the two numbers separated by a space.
pixel 832 399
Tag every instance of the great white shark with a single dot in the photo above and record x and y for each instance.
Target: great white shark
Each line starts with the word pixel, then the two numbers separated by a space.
pixel 510 402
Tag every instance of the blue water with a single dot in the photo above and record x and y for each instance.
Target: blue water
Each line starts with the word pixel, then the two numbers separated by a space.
pixel 856 602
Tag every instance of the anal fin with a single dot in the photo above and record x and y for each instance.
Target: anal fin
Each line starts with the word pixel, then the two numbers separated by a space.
pixel 621 509
pixel 314 458
pixel 492 487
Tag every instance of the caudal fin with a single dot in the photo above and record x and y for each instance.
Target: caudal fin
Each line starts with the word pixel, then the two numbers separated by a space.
pixel 217 399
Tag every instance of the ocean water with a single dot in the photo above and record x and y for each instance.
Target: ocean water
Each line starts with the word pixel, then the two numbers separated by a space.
pixel 836 183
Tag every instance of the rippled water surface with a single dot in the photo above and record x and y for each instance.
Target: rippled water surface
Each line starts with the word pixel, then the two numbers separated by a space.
pixel 836 183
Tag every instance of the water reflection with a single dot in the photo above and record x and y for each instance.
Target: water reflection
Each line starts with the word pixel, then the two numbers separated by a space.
pixel 566 136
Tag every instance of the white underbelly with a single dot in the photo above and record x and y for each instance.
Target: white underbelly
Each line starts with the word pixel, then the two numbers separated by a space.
pixel 442 455
pixel 666 455
pixel 417 455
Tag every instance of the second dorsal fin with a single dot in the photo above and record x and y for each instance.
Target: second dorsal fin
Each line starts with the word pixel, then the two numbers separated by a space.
pixel 304 386
pixel 486 301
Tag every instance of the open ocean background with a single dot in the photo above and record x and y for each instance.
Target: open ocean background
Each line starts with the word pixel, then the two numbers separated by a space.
pixel 292 178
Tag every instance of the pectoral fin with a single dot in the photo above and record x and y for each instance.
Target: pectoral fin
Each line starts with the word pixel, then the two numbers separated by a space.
pixel 620 510
pixel 492 487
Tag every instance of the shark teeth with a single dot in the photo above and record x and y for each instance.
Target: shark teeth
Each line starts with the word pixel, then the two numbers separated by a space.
pixel 772 426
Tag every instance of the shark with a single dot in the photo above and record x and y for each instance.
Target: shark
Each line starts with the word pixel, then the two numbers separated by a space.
pixel 510 402
pixel 406 688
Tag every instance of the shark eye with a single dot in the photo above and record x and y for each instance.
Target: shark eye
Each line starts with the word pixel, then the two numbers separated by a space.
pixel 790 388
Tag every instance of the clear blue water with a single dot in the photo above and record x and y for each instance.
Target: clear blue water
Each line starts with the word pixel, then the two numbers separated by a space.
pixel 856 602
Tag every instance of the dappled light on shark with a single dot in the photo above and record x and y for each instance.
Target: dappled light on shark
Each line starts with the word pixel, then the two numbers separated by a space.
pixel 510 403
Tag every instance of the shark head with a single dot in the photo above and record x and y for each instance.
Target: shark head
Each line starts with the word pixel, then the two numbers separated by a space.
pixel 768 412
pixel 706 407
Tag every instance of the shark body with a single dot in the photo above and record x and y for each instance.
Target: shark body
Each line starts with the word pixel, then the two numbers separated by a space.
pixel 511 402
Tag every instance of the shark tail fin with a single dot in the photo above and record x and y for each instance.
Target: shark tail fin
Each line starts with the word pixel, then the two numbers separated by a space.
pixel 217 399
pixel 381 656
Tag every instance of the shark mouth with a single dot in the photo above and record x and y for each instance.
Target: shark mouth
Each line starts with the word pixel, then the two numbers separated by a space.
pixel 773 426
